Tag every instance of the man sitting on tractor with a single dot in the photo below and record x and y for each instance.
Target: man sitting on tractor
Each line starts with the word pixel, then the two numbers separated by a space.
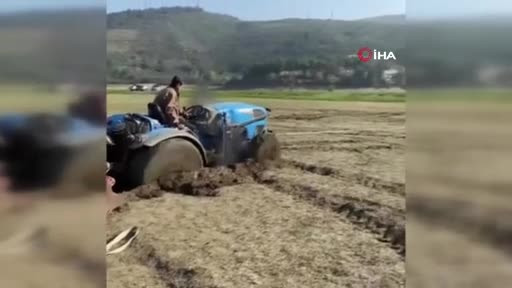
pixel 168 100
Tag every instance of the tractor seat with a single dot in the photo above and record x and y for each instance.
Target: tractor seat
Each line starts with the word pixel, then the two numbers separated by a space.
pixel 155 112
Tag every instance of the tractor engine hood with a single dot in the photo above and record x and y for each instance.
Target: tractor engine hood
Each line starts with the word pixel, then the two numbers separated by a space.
pixel 238 113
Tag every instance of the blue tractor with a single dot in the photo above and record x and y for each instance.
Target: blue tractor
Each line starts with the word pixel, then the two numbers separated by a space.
pixel 142 148
pixel 39 150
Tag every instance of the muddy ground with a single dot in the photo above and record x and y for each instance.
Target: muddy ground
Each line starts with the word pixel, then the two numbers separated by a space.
pixel 330 214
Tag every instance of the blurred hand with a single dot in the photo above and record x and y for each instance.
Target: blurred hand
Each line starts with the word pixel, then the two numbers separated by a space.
pixel 113 200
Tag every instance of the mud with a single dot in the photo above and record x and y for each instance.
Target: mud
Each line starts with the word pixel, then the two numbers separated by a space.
pixel 148 192
pixel 205 182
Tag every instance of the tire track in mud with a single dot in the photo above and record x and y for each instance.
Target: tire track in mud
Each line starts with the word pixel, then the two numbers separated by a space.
pixel 489 225
pixel 359 178
pixel 170 273
pixel 386 223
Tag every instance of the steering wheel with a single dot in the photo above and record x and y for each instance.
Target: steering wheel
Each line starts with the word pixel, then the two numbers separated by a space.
pixel 197 113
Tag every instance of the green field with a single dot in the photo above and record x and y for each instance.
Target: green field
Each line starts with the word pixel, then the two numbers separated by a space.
pixel 460 94
pixel 120 99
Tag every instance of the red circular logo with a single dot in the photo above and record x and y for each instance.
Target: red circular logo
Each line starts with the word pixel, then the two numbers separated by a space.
pixel 361 53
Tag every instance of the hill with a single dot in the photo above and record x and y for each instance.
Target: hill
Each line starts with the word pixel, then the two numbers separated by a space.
pixel 388 19
pixel 151 44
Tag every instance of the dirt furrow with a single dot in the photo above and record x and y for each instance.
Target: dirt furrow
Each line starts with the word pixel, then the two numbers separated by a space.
pixel 172 274
pixel 361 179
pixel 318 114
pixel 386 223
pixel 379 220
pixel 321 142
pixel 316 147
pixel 345 132
pixel 306 116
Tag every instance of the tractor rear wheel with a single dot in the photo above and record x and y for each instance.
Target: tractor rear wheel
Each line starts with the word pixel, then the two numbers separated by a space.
pixel 173 155
pixel 267 148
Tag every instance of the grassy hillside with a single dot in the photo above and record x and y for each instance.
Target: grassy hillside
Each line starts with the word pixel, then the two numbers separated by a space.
pixel 152 43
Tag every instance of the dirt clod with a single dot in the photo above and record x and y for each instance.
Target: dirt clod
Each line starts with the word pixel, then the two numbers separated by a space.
pixel 148 192
pixel 205 182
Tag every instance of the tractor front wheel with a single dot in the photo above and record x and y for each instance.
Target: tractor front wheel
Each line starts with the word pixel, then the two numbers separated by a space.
pixel 267 148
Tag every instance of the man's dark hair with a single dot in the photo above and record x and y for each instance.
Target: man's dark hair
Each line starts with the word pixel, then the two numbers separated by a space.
pixel 175 82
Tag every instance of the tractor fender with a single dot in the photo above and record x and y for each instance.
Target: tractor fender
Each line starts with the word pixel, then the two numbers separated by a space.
pixel 155 137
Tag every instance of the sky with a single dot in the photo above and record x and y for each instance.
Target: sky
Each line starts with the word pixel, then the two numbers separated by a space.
pixel 457 8
pixel 277 9
pixel 22 5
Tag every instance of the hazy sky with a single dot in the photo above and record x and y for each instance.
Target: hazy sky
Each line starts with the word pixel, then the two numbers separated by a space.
pixel 456 8
pixel 20 5
pixel 277 9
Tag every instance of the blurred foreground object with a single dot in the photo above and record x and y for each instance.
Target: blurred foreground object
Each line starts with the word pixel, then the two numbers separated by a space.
pixel 459 217
pixel 459 193
pixel 91 107
pixel 52 189
pixel 44 150
pixel 57 189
